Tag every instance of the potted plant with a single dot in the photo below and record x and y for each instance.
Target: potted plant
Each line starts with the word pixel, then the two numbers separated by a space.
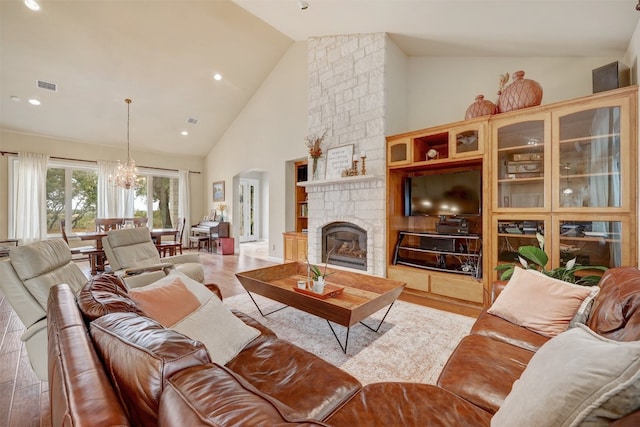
pixel 318 276
pixel 535 258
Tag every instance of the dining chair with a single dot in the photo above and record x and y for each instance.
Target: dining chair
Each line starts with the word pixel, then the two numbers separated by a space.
pixel 137 221
pixel 171 247
pixel 107 224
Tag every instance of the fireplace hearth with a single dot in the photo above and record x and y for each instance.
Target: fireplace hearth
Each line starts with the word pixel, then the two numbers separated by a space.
pixel 344 244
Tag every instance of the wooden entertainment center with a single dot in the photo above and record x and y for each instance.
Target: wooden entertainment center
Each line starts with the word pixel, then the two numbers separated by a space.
pixel 566 170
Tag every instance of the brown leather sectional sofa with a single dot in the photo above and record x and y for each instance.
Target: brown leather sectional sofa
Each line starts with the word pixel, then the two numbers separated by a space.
pixel 156 376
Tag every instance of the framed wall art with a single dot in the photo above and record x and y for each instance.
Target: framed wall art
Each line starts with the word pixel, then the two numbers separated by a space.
pixel 218 191
pixel 338 159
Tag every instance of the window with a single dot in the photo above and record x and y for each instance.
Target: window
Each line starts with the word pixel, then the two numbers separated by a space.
pixel 162 207
pixel 72 196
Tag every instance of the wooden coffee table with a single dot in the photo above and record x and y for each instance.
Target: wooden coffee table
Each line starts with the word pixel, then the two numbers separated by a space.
pixel 362 294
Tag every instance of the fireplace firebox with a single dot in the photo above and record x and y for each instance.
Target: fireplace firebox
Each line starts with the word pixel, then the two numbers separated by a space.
pixel 344 244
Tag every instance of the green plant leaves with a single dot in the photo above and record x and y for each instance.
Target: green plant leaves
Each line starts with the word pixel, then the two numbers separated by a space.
pixel 535 258
pixel 535 255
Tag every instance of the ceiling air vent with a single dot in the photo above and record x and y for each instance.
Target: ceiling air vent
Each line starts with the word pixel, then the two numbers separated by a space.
pixel 192 121
pixel 46 85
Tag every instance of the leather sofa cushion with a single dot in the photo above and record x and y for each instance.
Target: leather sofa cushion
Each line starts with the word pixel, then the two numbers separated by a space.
pixel 482 370
pixel 410 405
pixel 616 309
pixel 502 330
pixel 282 370
pixel 212 396
pixel 140 355
pixel 105 294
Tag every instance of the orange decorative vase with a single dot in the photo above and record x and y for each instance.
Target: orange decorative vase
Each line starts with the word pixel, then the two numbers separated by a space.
pixel 521 93
pixel 480 107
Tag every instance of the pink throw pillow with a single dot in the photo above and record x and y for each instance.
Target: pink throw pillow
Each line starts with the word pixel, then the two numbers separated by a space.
pixel 166 304
pixel 538 302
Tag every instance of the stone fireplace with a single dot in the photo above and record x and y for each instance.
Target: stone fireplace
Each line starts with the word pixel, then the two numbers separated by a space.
pixel 345 244
pixel 347 99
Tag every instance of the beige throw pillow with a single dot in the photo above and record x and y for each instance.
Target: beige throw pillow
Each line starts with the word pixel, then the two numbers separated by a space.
pixel 223 334
pixel 538 302
pixel 576 378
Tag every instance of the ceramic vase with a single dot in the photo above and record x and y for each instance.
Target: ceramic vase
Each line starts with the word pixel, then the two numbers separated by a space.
pixel 480 107
pixel 318 285
pixel 521 93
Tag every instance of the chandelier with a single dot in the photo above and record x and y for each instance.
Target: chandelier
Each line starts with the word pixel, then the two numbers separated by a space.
pixel 126 174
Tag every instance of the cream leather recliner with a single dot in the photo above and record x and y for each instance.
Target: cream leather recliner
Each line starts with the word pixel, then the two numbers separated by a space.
pixel 133 256
pixel 25 279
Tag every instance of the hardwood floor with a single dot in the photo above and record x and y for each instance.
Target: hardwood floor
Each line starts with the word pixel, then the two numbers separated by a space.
pixel 24 400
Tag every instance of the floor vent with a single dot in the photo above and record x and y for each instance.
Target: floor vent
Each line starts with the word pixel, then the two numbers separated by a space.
pixel 46 85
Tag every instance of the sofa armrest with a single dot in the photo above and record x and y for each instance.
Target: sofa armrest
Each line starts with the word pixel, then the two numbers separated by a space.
pixel 139 270
pixel 215 289
pixel 496 288
pixel 182 259
pixel 34 329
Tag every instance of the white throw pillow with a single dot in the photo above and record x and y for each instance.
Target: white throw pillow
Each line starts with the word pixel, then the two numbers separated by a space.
pixel 575 378
pixel 222 333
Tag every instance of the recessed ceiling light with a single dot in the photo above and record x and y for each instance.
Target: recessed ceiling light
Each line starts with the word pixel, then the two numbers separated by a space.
pixel 217 76
pixel 34 101
pixel 32 4
pixel 184 133
pixel 15 98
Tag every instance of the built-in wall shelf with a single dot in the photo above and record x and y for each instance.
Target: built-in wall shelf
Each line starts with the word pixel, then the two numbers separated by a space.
pixel 341 180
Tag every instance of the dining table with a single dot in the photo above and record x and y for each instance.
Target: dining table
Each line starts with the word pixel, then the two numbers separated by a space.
pixel 97 258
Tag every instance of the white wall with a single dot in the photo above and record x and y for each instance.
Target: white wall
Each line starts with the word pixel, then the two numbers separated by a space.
pixel 631 56
pixel 268 132
pixel 14 142
pixel 441 88
pixel 396 89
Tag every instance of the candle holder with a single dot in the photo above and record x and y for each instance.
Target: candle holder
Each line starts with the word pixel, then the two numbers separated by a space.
pixel 364 168
pixel 353 170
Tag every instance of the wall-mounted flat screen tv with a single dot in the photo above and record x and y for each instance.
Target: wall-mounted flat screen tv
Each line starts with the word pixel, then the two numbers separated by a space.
pixel 445 194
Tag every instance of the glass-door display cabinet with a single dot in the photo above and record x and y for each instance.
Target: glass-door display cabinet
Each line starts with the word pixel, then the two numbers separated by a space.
pixel 592 157
pixel 570 163
pixel 521 164
pixel 592 242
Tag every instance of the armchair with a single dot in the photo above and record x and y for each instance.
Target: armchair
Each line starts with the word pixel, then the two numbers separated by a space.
pixel 133 256
pixel 27 275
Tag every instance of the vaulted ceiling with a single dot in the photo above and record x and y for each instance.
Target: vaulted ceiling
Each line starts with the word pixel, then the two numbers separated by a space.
pixel 163 54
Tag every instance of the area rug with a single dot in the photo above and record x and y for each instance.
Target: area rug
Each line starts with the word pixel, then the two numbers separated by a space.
pixel 413 343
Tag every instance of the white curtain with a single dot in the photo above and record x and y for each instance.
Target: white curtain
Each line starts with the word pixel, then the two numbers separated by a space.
pixel 113 202
pixel 183 203
pixel 31 198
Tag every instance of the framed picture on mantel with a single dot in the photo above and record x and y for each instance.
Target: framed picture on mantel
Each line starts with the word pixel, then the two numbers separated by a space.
pixel 218 191
pixel 338 159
